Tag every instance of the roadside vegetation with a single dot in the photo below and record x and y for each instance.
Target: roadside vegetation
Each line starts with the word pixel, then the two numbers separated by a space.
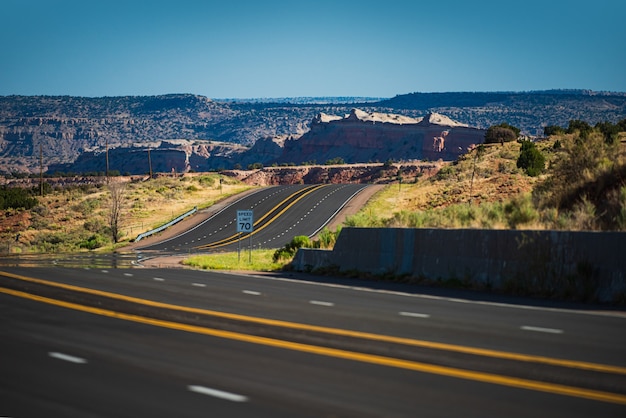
pixel 263 260
pixel 575 179
pixel 99 216
pixel 257 260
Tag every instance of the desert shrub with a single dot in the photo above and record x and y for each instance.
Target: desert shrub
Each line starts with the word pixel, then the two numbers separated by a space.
pixel 326 238
pixel 583 215
pixel 364 219
pixel 447 172
pixel 94 225
pixel 520 211
pixel 40 210
pixel 206 180
pixel 93 242
pixel 53 242
pixel 88 206
pixel 289 250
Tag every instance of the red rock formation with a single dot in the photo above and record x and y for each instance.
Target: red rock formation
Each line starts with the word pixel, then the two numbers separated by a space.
pixel 367 137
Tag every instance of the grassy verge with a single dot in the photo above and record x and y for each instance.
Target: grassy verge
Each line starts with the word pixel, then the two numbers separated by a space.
pixel 258 260
pixel 76 218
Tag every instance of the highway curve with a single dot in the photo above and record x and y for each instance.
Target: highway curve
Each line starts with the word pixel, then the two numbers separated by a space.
pixel 280 213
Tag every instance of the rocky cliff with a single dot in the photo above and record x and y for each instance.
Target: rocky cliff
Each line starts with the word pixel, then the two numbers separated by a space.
pixel 177 156
pixel 359 137
pixel 369 137
pixel 64 127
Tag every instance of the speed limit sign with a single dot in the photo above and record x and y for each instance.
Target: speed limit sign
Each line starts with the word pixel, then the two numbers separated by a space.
pixel 245 220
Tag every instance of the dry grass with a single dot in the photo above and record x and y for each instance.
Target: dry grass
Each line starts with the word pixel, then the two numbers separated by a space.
pixel 76 218
pixel 487 190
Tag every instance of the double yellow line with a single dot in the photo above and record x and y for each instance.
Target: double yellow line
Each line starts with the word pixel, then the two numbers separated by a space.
pixel 338 353
pixel 233 238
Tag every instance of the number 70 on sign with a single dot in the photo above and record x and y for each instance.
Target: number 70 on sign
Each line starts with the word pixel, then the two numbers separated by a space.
pixel 245 221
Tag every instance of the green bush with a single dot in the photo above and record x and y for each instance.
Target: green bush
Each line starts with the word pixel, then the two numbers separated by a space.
pixel 290 249
pixel 93 242
pixel 520 211
pixel 531 160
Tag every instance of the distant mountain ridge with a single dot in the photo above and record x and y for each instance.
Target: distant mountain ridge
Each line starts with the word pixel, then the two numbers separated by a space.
pixel 65 127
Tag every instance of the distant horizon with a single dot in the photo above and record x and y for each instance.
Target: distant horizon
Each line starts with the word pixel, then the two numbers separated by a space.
pixel 282 48
pixel 368 98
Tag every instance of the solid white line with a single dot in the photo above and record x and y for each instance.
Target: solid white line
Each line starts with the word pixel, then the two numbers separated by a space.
pixel 198 284
pixel 321 303
pixel 158 279
pixel 539 329
pixel 66 357
pixel 218 393
pixel 251 292
pixel 414 314
pixel 613 314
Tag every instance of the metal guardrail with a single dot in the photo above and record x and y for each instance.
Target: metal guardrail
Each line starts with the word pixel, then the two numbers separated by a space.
pixel 165 226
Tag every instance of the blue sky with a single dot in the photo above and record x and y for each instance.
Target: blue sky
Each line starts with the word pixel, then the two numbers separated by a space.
pixel 274 48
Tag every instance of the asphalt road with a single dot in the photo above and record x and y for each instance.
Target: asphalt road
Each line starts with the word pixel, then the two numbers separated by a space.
pixel 280 213
pixel 195 343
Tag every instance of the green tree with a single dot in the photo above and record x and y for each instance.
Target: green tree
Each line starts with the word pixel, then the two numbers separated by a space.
pixel 531 160
pixel 15 198
pixel 582 127
pixel 553 130
pixel 500 134
pixel 609 131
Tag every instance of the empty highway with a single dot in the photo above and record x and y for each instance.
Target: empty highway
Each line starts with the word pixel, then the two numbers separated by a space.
pixel 151 342
pixel 280 213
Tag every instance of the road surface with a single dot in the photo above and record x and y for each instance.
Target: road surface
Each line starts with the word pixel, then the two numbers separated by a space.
pixel 186 343
pixel 280 213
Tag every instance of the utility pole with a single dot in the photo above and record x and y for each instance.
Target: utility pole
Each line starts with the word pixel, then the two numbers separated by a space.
pixel 150 162
pixel 40 170
pixel 106 151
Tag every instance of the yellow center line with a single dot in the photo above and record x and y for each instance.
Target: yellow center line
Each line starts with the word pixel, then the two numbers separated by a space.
pixel 574 364
pixel 343 354
pixel 229 240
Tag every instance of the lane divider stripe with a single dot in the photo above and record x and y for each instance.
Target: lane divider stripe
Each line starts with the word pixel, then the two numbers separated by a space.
pixel 343 354
pixel 342 332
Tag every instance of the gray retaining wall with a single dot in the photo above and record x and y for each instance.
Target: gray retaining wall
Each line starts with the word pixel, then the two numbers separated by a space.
pixel 579 265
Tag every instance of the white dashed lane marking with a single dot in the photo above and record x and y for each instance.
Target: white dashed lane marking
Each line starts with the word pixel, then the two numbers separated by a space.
pixel 233 397
pixel 414 314
pixel 252 292
pixel 540 329
pixel 198 284
pixel 67 357
pixel 321 303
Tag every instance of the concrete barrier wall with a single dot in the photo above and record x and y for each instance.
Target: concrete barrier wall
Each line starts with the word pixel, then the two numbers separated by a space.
pixel 579 265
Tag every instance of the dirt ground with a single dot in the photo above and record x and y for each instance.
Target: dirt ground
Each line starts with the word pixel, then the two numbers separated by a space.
pixel 176 261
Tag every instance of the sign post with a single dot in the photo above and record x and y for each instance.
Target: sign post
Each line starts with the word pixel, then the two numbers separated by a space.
pixel 245 224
